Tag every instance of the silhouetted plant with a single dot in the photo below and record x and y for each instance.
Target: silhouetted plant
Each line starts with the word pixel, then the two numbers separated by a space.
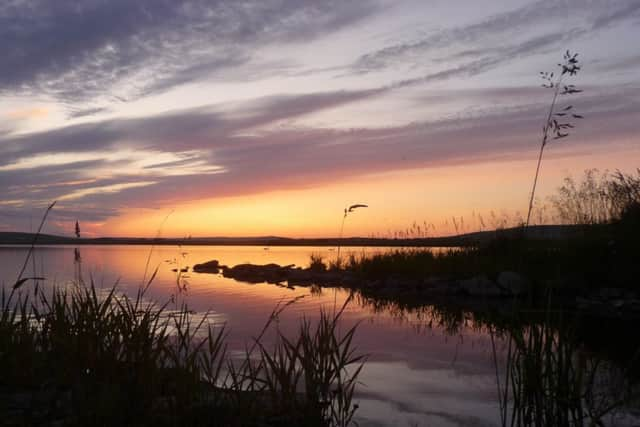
pixel 599 198
pixel 558 122
pixel 77 258
pixel 106 359
pixel 344 218
pixel 22 280
pixel 316 262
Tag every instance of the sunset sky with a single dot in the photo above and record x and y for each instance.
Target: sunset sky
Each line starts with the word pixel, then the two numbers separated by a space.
pixel 269 117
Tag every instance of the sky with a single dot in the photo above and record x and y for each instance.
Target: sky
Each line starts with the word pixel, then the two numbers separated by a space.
pixel 268 117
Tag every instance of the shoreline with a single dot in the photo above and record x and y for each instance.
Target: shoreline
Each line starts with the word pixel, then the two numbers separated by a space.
pixel 537 232
pixel 477 290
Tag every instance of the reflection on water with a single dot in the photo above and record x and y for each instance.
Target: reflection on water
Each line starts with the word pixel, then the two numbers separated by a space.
pixel 426 365
pixel 551 366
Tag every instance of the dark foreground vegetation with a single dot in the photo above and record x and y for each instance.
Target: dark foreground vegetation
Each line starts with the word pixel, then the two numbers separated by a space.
pixel 598 262
pixel 83 357
pixel 569 351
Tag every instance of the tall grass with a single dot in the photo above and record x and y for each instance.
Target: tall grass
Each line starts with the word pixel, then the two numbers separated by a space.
pixel 599 198
pixel 347 211
pixel 599 251
pixel 549 379
pixel 557 123
pixel 103 358
pixel 316 262
pixel 21 280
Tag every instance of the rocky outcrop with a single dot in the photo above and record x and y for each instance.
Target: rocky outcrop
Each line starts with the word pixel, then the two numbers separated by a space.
pixel 294 276
pixel 508 284
pixel 251 273
pixel 212 266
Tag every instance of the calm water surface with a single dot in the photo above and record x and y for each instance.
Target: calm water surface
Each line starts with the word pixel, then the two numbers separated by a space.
pixel 417 374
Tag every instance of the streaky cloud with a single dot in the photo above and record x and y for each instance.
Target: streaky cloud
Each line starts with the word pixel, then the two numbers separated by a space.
pixel 464 42
pixel 83 51
pixel 256 157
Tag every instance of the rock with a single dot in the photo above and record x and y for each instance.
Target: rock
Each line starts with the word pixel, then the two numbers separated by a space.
pixel 271 273
pixel 212 267
pixel 276 274
pixel 480 286
pixel 512 283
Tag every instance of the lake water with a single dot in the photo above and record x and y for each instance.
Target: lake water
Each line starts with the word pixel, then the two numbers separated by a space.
pixel 417 373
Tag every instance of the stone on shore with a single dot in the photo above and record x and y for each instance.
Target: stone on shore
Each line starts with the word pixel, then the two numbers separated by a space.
pixel 271 273
pixel 508 284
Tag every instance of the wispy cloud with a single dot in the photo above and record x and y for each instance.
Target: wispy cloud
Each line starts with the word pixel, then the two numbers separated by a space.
pixel 86 112
pixel 79 51
pixel 245 155
pixel 286 128
pixel 494 37
pixel 104 189
pixel 507 54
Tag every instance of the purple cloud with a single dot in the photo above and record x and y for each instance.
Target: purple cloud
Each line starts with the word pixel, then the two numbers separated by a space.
pixel 255 158
pixel 79 51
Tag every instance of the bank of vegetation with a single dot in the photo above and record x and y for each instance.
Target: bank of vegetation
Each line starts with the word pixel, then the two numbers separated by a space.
pixel 79 356
pixel 600 256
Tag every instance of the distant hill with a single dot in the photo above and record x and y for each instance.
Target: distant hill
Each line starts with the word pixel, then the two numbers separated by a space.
pixel 17 238
pixel 540 232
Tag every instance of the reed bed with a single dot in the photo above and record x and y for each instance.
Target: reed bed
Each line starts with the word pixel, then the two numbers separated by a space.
pixel 549 378
pixel 79 356
pixel 597 249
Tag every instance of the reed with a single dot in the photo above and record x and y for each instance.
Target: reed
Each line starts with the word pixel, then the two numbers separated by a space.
pixel 316 262
pixel 347 211
pixel 598 198
pixel 548 378
pixel 92 357
pixel 558 122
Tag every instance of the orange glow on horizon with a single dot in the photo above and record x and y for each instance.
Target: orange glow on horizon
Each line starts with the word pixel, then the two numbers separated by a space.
pixel 396 201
